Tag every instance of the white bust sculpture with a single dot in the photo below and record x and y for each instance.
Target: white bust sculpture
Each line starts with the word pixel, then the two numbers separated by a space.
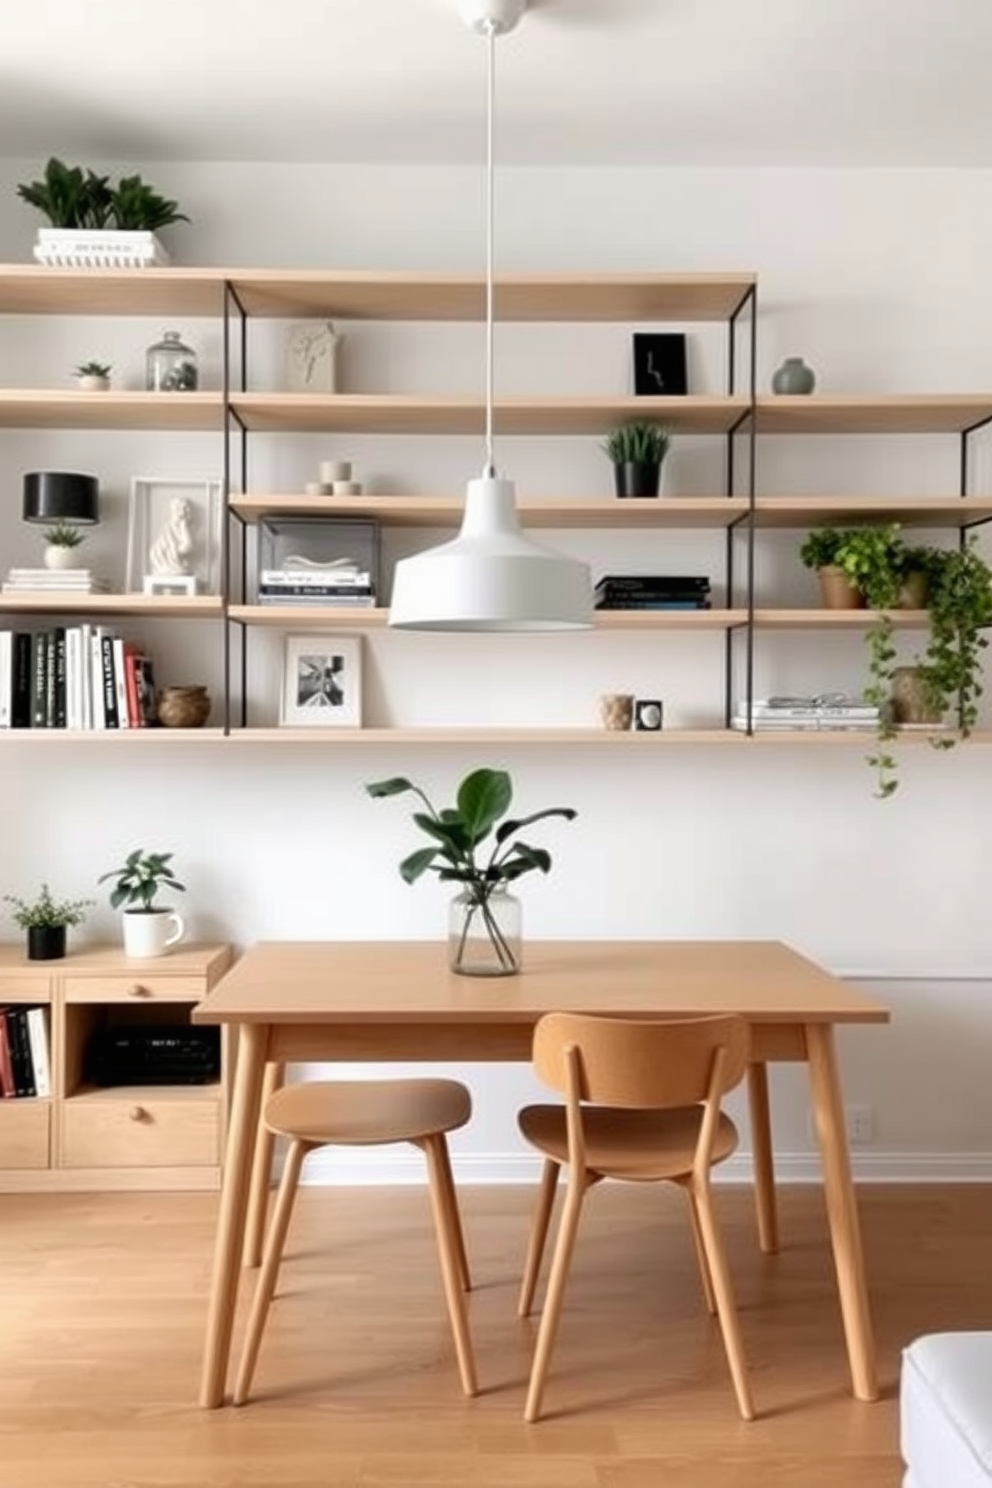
pixel 171 549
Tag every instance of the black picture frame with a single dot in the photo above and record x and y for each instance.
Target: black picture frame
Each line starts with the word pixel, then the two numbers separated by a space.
pixel 660 364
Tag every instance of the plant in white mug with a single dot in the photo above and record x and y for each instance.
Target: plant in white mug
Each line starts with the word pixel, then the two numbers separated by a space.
pixel 146 924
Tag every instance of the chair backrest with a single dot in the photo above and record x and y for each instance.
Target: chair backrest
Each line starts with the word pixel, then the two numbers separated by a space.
pixel 643 1064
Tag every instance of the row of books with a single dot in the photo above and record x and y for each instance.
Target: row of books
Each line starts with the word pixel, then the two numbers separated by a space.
pixel 25 1052
pixel 652 592
pixel 331 585
pixel 822 711
pixel 74 677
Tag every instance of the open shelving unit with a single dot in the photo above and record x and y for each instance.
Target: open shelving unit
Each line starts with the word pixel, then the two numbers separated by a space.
pixel 739 417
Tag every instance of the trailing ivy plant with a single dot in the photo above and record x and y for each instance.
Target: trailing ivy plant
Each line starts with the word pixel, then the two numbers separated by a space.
pixel 959 603
pixel 873 559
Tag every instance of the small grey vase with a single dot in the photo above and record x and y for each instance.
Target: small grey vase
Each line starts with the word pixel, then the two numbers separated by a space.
pixel 793 376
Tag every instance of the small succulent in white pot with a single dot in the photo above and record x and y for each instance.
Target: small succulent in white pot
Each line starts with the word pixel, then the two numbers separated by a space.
pixel 61 542
pixel 93 377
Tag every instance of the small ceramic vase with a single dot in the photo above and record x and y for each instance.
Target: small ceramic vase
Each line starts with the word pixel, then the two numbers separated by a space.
pixel 183 707
pixel 793 376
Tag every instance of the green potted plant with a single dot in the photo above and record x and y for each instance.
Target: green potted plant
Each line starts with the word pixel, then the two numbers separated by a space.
pixel 61 542
pixel 638 452
pixel 93 377
pixel 149 928
pixel 468 848
pixel 95 224
pixel 959 607
pixel 46 921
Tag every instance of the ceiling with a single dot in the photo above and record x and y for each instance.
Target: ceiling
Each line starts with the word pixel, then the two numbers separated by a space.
pixel 580 82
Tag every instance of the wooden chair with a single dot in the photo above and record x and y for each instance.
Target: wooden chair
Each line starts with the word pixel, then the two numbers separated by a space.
pixel 654 1090
pixel 368 1113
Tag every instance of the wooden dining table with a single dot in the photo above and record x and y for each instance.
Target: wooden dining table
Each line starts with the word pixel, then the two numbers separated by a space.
pixel 379 1001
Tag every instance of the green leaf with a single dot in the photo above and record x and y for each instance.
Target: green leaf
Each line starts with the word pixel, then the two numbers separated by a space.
pixel 508 828
pixel 483 797
pixel 451 834
pixel 417 863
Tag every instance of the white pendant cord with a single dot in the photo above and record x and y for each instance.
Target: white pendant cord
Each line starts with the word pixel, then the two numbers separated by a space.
pixel 490 197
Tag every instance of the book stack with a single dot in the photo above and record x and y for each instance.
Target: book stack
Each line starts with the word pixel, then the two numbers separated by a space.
pixel 74 677
pixel 653 592
pixel 834 710
pixel 25 1052
pixel 53 581
pixel 341 584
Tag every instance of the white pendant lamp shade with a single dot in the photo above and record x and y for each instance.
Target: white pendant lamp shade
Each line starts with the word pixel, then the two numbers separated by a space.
pixel 492 576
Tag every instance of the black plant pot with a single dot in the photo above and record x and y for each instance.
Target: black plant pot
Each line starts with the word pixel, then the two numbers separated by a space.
pixel 636 479
pixel 46 942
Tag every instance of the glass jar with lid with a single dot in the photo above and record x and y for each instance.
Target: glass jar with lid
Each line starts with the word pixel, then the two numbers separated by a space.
pixel 171 365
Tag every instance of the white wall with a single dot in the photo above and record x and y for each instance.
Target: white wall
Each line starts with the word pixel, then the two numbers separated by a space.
pixel 880 280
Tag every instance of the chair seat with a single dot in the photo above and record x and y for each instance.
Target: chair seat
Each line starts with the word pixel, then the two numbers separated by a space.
pixel 366 1112
pixel 624 1143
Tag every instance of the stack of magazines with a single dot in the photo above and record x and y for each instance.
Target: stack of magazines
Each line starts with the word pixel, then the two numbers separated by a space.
pixel 53 581
pixel 653 592
pixel 826 710
pixel 303 581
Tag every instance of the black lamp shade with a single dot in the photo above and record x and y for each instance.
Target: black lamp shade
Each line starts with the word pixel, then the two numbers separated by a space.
pixel 60 496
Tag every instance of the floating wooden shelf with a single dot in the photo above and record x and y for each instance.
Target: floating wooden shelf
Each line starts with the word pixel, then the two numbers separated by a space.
pixel 368 295
pixel 150 606
pixel 768 619
pixel 910 511
pixel 535 511
pixel 457 734
pixel 900 413
pixel 33 408
pixel 326 617
pixel 396 413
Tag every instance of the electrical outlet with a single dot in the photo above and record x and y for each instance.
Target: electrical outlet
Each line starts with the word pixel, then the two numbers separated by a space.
pixel 860 1123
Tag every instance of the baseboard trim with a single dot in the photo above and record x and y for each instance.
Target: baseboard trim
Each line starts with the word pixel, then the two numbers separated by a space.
pixel 330 1167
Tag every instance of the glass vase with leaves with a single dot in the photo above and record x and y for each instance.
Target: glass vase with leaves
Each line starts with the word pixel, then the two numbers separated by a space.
pixel 476 845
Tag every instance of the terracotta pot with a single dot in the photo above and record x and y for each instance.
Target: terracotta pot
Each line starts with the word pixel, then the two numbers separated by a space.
pixel 915 591
pixel 909 698
pixel 837 591
pixel 183 707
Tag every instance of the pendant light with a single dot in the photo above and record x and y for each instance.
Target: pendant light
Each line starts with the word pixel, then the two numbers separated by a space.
pixel 492 576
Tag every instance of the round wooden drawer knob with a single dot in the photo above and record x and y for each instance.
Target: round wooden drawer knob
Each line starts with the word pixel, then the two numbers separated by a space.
pixel 137 1113
pixel 137 990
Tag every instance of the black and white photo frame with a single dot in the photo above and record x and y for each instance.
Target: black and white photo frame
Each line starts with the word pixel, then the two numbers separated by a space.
pixel 322 682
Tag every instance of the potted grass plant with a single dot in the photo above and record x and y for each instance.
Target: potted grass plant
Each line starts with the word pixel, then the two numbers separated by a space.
pixel 475 844
pixel 46 920
pixel 637 451
pixel 61 542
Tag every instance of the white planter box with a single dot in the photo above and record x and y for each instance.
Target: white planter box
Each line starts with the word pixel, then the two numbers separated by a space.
pixel 65 248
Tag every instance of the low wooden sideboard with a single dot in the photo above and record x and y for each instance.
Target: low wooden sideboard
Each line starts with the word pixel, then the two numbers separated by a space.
pixel 88 1137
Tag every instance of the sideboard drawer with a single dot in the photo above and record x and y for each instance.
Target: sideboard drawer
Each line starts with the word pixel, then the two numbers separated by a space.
pixel 135 988
pixel 152 1132
pixel 21 986
pixel 24 1133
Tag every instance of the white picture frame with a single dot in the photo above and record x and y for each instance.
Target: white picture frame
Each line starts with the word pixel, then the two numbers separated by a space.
pixel 321 682
pixel 153 500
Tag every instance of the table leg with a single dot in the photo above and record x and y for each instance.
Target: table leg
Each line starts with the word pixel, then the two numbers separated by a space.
pixel 842 1211
pixel 252 1049
pixel 761 1153
pixel 261 1171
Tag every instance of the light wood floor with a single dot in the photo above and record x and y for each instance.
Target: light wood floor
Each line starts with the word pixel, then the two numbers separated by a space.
pixel 101 1318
